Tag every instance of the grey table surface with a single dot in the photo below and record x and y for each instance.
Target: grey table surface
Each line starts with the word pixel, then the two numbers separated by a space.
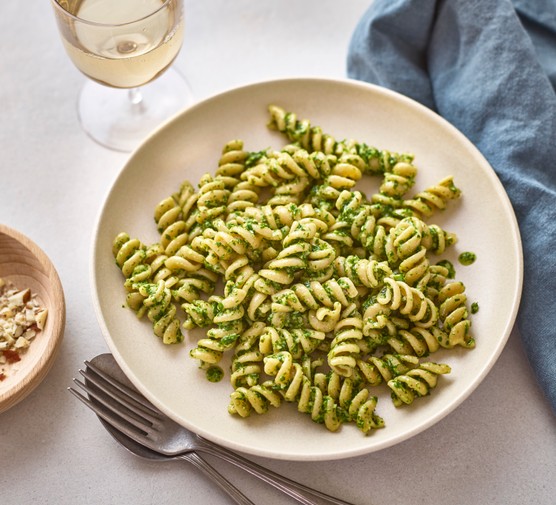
pixel 498 447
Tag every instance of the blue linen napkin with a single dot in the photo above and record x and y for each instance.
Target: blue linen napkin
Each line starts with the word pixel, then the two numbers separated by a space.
pixel 489 68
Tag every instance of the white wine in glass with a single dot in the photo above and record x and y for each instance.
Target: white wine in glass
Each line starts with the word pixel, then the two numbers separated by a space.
pixel 126 48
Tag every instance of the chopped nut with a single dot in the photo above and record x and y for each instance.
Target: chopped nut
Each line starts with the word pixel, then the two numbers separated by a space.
pixel 19 298
pixel 21 317
pixel 40 318
pixel 21 343
pixel 29 334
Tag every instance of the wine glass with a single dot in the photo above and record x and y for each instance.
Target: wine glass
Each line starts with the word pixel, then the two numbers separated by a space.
pixel 126 48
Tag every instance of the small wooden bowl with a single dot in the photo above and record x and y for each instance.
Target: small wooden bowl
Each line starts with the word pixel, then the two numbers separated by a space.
pixel 25 265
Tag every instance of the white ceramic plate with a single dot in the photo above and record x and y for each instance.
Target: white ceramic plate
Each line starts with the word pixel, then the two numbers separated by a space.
pixel 190 145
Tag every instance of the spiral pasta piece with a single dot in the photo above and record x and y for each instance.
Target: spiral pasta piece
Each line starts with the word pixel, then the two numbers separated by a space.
pixel 409 301
pixel 380 323
pixel 233 159
pixel 185 260
pixel 242 278
pixel 314 295
pixel 194 283
pixel 416 383
pixel 210 350
pixel 354 212
pixel 345 173
pixel 238 271
pixel 379 161
pixel 312 139
pixel 439 274
pixel 167 211
pixel 213 198
pixel 379 246
pixel 282 367
pixel 417 341
pixel 247 360
pixel 294 385
pixel 323 196
pixel 453 315
pixel 377 370
pixel 258 398
pixel 272 218
pixel 231 165
pixel 436 239
pixel 320 217
pixel 434 198
pixel 161 312
pixel 296 246
pixel 273 170
pixel 243 196
pixel 229 325
pixel 291 192
pixel 320 261
pixel 227 241
pixel 344 348
pixel 146 270
pixel 268 172
pixel 296 341
pixel 396 183
pixel 259 306
pixel 411 254
pixel 412 232
pixel 280 167
pixel 317 165
pixel 133 258
pixel 129 253
pixel 354 402
pixel 168 216
pixel 179 208
pixel 300 131
pixel 156 259
pixel 199 313
pixel 366 234
pixel 362 271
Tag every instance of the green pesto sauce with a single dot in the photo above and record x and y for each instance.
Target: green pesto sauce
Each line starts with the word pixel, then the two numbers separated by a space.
pixel 448 265
pixel 467 258
pixel 215 374
pixel 474 308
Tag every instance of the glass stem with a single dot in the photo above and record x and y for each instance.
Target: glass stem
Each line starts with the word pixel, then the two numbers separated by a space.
pixel 136 99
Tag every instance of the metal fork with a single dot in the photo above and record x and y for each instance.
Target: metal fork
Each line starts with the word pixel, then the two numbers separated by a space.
pixel 144 452
pixel 136 417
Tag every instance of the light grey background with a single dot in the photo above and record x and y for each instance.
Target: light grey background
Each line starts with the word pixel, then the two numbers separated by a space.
pixel 498 447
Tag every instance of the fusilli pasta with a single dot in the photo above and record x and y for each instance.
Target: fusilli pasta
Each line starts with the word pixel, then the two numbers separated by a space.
pixel 327 293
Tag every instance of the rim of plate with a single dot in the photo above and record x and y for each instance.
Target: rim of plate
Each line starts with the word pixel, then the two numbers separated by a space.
pixel 406 102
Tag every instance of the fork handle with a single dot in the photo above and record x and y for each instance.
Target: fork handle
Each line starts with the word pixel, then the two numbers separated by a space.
pixel 233 492
pixel 294 489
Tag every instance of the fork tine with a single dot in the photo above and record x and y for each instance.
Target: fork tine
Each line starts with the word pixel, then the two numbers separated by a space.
pixel 123 388
pixel 122 397
pixel 109 416
pixel 114 406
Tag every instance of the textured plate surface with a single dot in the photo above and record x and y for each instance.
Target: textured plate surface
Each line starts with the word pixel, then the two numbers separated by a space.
pixel 190 145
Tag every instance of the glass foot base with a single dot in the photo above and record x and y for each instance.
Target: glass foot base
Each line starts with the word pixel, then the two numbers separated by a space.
pixel 121 119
